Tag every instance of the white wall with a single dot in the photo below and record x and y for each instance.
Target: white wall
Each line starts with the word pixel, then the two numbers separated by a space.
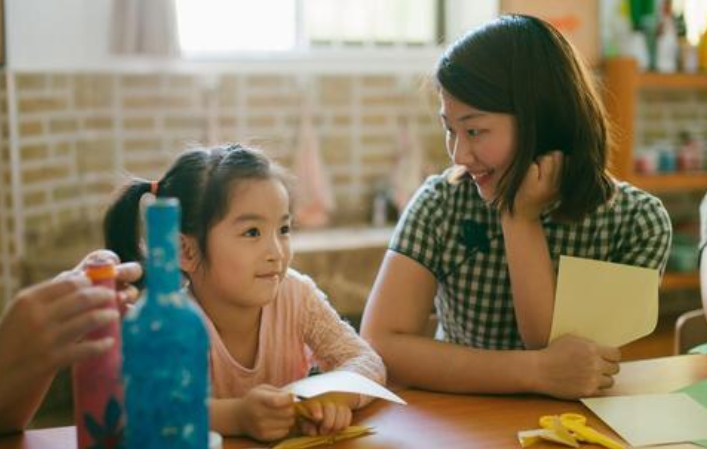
pixel 74 34
pixel 56 33
pixel 463 15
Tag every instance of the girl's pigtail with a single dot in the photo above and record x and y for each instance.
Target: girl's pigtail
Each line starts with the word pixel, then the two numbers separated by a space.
pixel 121 225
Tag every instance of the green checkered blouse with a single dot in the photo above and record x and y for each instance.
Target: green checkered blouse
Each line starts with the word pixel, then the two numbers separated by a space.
pixel 474 301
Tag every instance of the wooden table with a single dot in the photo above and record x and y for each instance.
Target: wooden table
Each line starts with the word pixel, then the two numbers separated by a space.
pixel 434 420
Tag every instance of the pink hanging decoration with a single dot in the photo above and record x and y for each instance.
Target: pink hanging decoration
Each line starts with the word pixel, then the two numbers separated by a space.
pixel 315 197
pixel 408 170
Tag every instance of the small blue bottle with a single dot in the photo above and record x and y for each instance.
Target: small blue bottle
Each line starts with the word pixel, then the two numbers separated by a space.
pixel 165 348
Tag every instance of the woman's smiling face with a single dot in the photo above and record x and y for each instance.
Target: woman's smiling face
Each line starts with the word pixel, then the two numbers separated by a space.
pixel 481 142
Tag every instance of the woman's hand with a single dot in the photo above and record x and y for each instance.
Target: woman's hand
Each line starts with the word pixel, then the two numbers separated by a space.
pixel 128 273
pixel 574 367
pixel 41 329
pixel 327 414
pixel 540 187
pixel 266 413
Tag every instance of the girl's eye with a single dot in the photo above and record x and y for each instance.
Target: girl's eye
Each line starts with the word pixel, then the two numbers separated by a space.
pixel 285 230
pixel 473 132
pixel 252 232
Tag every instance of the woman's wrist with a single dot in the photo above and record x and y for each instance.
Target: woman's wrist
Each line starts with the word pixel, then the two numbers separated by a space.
pixel 532 377
pixel 517 218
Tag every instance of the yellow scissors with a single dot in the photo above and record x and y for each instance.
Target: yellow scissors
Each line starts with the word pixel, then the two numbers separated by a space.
pixel 577 424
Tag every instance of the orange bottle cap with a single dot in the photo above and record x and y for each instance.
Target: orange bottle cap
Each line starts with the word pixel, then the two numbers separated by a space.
pixel 101 270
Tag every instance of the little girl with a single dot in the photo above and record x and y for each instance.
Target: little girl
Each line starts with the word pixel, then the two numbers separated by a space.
pixel 265 319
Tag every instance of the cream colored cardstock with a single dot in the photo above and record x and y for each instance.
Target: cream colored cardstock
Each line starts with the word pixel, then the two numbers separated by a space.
pixel 650 419
pixel 341 382
pixel 609 303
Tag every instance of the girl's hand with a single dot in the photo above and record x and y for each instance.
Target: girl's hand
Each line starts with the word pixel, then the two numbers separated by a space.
pixel 127 274
pixel 266 413
pixel 573 367
pixel 540 187
pixel 327 414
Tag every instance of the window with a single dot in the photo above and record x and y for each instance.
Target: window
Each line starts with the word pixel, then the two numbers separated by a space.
pixel 371 22
pixel 223 27
pixel 217 27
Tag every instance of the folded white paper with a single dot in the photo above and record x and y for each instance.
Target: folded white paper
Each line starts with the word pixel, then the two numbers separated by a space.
pixel 341 382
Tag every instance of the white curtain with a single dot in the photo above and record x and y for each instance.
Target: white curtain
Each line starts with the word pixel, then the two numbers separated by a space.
pixel 145 27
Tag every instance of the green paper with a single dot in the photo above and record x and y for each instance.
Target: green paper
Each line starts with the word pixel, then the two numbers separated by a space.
pixel 698 392
pixel 701 349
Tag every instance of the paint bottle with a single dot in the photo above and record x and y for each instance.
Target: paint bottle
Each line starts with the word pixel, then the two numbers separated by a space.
pixel 98 393
pixel 165 348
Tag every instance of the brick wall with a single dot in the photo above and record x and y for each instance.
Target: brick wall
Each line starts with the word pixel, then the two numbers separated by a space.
pixel 78 132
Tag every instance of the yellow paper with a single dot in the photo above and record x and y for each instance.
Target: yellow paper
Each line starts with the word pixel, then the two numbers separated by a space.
pixel 341 382
pixel 652 419
pixel 530 437
pixel 307 442
pixel 612 304
pixel 553 431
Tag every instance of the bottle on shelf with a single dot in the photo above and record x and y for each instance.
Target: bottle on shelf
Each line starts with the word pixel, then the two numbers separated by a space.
pixel 667 46
pixel 97 389
pixel 690 153
pixel 702 52
pixel 165 348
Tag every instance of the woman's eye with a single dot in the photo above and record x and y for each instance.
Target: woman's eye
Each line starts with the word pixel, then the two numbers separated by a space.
pixel 285 230
pixel 252 232
pixel 473 132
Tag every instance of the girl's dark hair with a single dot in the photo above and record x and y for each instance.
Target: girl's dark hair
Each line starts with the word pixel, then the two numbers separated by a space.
pixel 203 180
pixel 521 65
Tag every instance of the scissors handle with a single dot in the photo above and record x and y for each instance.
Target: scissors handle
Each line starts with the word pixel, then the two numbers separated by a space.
pixel 590 435
pixel 565 418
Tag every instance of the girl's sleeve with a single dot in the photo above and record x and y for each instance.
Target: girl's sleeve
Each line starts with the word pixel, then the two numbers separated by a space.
pixel 650 233
pixel 335 345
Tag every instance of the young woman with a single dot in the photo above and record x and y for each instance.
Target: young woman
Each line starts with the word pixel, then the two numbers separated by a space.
pixel 529 141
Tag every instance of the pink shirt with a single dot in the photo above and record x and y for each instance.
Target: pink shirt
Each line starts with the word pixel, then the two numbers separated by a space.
pixel 298 327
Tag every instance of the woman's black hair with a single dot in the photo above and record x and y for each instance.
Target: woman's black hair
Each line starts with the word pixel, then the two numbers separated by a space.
pixel 522 66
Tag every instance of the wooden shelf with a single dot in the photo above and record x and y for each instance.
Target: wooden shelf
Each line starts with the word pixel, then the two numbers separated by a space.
pixel 680 281
pixel 670 182
pixel 623 80
pixel 672 80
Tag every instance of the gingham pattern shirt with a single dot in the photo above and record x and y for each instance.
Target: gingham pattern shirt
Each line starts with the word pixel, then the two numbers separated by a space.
pixel 474 301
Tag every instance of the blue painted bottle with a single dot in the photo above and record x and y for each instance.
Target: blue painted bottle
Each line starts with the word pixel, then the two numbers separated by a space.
pixel 165 348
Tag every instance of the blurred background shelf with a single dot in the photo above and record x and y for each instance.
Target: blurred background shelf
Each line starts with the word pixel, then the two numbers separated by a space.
pixel 672 80
pixel 623 82
pixel 672 182
pixel 680 281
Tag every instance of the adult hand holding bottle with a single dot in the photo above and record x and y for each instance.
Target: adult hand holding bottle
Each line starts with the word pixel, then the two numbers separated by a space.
pixel 41 330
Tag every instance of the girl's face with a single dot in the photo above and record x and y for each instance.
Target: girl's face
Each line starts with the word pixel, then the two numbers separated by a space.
pixel 249 250
pixel 481 142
